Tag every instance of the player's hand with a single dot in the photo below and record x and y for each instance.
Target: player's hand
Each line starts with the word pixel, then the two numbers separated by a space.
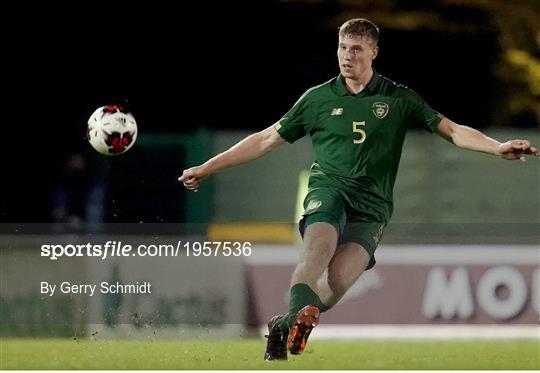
pixel 192 177
pixel 517 149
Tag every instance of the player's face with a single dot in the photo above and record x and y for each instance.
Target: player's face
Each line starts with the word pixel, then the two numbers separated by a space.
pixel 355 55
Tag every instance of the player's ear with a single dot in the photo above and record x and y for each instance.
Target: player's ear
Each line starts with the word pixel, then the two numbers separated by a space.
pixel 375 52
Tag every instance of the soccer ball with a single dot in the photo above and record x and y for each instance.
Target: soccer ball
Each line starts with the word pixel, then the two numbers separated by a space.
pixel 112 130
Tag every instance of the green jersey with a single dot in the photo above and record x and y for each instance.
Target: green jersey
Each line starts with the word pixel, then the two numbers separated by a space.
pixel 358 138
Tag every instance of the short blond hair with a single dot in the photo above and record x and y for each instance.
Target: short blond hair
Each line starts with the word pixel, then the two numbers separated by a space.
pixel 360 27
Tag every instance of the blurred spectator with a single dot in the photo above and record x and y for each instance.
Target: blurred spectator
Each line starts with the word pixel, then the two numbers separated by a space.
pixel 77 198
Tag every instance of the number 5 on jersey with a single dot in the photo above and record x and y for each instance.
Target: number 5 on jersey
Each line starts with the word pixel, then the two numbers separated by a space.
pixel 356 128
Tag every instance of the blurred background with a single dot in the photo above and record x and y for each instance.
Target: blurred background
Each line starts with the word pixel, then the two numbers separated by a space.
pixel 202 76
pixel 199 79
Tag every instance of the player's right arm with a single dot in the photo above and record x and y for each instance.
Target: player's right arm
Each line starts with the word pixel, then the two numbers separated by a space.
pixel 250 148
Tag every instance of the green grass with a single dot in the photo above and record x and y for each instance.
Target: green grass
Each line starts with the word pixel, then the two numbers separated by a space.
pixel 247 354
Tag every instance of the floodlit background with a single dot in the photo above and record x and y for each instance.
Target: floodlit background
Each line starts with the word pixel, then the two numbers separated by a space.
pixel 460 258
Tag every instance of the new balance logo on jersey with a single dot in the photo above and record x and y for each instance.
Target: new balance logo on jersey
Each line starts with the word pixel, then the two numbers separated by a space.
pixel 337 111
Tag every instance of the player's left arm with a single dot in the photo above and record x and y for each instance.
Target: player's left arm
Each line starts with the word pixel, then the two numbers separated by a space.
pixel 469 138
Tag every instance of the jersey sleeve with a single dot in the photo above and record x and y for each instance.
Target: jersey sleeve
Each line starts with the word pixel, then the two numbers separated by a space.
pixel 419 113
pixel 296 122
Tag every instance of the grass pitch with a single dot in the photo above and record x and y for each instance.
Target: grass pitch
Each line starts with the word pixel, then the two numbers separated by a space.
pixel 247 354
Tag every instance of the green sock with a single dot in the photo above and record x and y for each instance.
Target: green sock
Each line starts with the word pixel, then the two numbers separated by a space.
pixel 301 296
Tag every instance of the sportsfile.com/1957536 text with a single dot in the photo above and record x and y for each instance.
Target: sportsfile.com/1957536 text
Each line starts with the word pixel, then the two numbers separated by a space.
pixel 120 249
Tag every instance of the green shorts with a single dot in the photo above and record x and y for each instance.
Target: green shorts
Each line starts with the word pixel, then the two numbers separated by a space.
pixel 329 205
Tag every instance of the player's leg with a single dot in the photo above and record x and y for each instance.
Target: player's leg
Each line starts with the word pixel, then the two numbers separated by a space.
pixel 320 228
pixel 318 247
pixel 305 306
pixel 355 255
pixel 346 266
pixel 320 231
pixel 324 218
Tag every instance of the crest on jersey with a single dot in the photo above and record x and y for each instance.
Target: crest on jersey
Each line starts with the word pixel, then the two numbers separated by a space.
pixel 312 205
pixel 380 109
